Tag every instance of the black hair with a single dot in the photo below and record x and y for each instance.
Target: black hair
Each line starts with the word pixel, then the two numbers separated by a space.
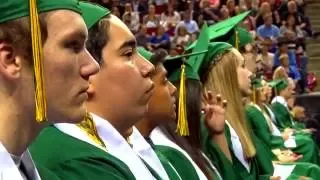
pixel 98 38
pixel 192 143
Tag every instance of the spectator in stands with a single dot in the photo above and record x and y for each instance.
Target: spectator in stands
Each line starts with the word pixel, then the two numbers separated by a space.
pixel 250 6
pixel 212 3
pixel 268 32
pixel 292 71
pixel 115 11
pixel 170 17
pixel 301 21
pixel 182 37
pixel 210 15
pixel 190 24
pixel 143 38
pixel 151 20
pixel 132 16
pixel 161 39
pixel 266 61
pixel 264 9
pixel 141 6
pixel 224 13
pixel 116 3
pixel 283 49
pixel 231 5
pixel 160 5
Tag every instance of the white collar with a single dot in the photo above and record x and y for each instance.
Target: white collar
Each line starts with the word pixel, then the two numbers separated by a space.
pixel 237 147
pixel 280 100
pixel 9 170
pixel 159 138
pixel 119 147
pixel 116 145
pixel 145 151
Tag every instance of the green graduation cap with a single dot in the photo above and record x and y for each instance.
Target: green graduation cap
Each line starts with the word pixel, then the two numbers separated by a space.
pixel 221 31
pixel 257 83
pixel 15 9
pixel 92 13
pixel 241 38
pixel 145 53
pixel 278 85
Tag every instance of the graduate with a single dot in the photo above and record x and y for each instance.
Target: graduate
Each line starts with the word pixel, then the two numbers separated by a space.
pixel 161 110
pixel 174 137
pixel 260 165
pixel 43 77
pixel 119 94
pixel 270 135
pixel 267 131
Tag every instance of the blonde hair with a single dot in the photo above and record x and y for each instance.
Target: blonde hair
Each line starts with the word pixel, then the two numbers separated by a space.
pixel 222 78
pixel 280 73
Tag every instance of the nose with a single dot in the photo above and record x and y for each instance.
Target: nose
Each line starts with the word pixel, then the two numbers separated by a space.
pixel 89 66
pixel 146 68
pixel 173 89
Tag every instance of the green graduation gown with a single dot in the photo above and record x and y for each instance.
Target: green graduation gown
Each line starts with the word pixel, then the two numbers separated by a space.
pixel 73 159
pixel 261 129
pixel 304 144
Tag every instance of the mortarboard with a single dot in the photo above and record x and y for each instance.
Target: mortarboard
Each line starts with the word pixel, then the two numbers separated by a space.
pixel 221 30
pixel 15 9
pixel 92 13
pixel 278 85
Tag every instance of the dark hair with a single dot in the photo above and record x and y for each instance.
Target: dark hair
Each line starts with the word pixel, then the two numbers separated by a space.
pixel 158 56
pixel 192 143
pixel 98 37
pixel 17 32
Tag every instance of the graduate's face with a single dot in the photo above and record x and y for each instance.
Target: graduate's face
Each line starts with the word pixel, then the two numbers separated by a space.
pixel 123 86
pixel 68 66
pixel 243 74
pixel 162 103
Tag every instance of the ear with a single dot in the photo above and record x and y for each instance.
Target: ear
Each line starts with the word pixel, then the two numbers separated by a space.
pixel 10 63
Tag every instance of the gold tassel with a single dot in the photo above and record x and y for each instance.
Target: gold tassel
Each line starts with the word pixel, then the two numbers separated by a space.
pixel 40 98
pixel 182 125
pixel 89 127
pixel 237 41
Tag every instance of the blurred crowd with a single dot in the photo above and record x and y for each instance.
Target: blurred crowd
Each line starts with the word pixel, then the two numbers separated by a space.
pixel 280 28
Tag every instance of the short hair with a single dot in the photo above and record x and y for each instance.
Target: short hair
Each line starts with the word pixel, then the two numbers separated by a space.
pixel 18 33
pixel 158 56
pixel 98 38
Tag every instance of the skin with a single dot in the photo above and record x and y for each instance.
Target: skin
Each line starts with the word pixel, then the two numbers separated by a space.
pixel 162 108
pixel 243 74
pixel 121 91
pixel 68 66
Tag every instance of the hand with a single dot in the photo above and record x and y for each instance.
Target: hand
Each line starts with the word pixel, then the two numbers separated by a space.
pixel 275 177
pixel 310 131
pixel 214 113
pixel 299 113
pixel 285 135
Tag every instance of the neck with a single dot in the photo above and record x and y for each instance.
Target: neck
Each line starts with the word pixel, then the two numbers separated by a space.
pixel 118 122
pixel 18 127
pixel 145 127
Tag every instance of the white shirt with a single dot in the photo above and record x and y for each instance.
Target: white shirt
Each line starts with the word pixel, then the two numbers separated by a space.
pixel 159 138
pixel 115 143
pixel 10 171
pixel 237 147
pixel 145 151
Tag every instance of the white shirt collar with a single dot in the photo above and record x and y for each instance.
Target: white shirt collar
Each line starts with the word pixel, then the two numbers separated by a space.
pixel 9 170
pixel 159 138
pixel 145 151
pixel 116 145
pixel 119 147
pixel 237 147
pixel 280 100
